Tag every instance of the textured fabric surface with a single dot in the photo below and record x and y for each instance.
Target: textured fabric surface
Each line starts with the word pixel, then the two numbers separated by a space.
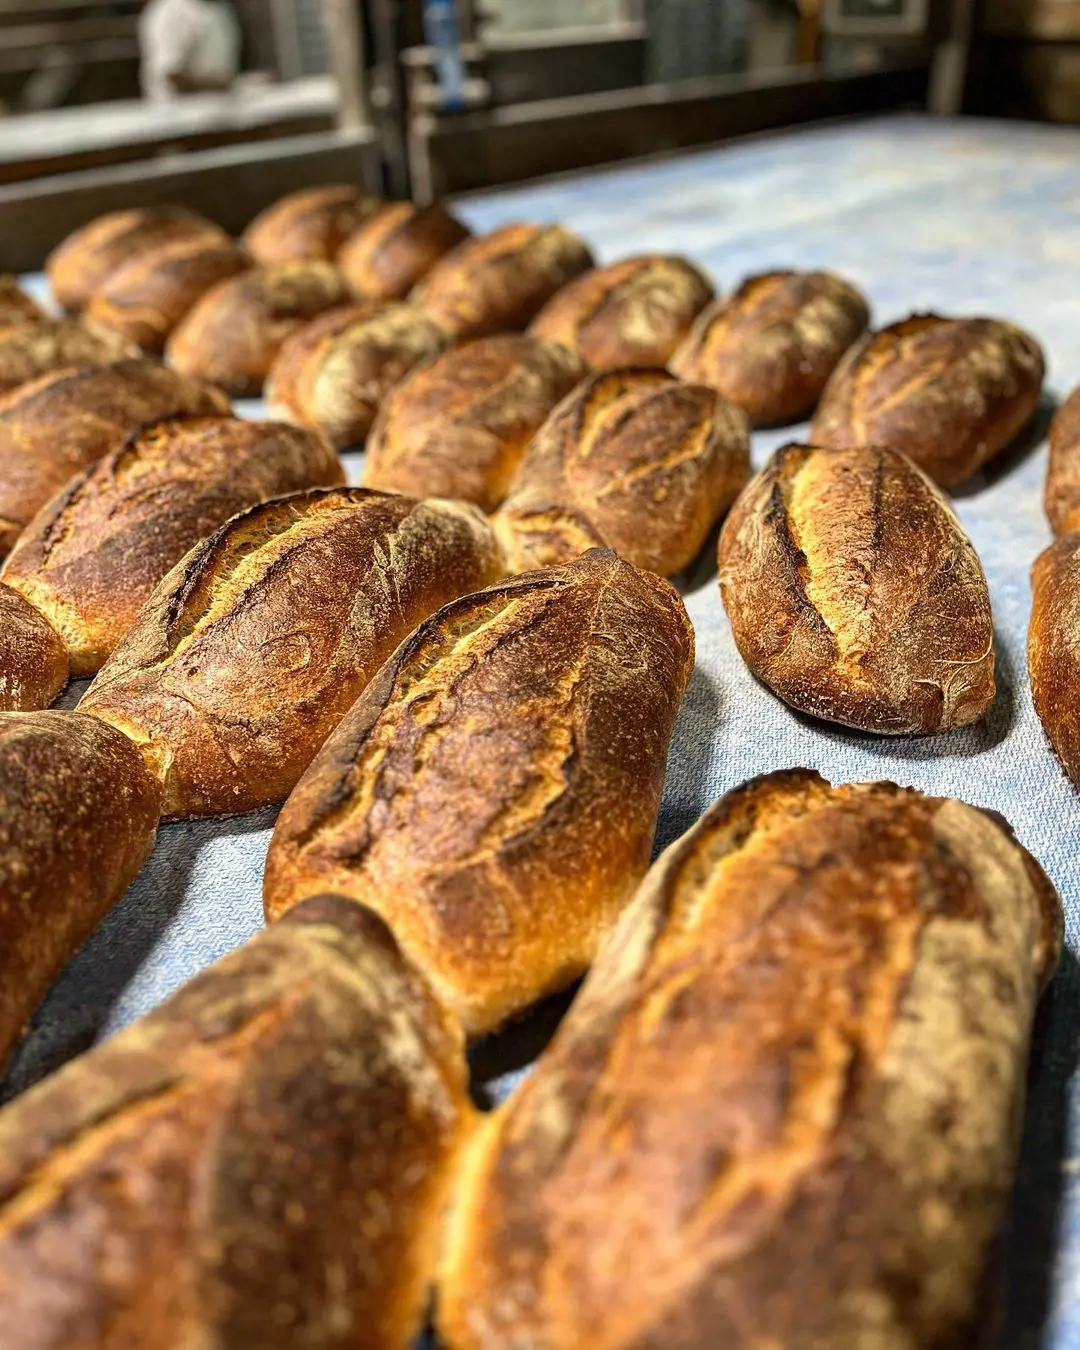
pixel 963 218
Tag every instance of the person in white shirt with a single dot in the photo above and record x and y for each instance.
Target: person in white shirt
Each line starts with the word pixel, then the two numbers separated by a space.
pixel 188 46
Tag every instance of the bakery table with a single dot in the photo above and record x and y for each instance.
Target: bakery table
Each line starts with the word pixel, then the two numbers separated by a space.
pixel 962 217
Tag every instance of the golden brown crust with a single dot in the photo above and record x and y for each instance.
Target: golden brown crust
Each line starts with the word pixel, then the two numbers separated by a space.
pixel 771 346
pixel 79 265
pixel 459 424
pixel 89 560
pixel 1061 496
pixel 308 226
pixel 33 658
pixel 854 593
pixel 334 373
pixel 633 313
pixel 30 350
pixel 15 305
pixel 233 333
pixel 145 298
pixel 56 425
pixel 260 1164
pixel 499 282
pixel 784 1108
pixel 78 812
pixel 255 644
pixel 650 463
pixel 469 797
pixel 1053 648
pixel 397 246
pixel 949 393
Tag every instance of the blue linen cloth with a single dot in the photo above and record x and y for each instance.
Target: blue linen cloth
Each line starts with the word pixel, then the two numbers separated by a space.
pixel 960 217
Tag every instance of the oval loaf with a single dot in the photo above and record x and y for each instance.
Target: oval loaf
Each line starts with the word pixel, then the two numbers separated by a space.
pixel 633 313
pixel 260 1164
pixel 854 593
pixel 33 658
pixel 493 794
pixel 396 247
pixel 772 345
pixel 649 462
pixel 949 393
pixel 90 558
pixel 1053 648
pixel 458 425
pixel 309 225
pixel 1061 497
pixel 256 643
pixel 784 1109
pixel 29 350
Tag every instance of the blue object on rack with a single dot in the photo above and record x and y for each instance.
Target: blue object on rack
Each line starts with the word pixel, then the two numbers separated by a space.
pixel 441 34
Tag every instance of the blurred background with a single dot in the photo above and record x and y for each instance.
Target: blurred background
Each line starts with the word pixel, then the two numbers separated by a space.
pixel 236 101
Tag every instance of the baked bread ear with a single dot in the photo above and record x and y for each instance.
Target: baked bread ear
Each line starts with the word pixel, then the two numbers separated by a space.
pixel 633 313
pixel 470 795
pixel 309 225
pixel 78 814
pixel 497 283
pixel 53 427
pixel 784 1108
pixel 15 305
pixel 263 1161
pixel 854 593
pixel 948 393
pixel 396 247
pixel 771 346
pixel 42 346
pixel 257 642
pixel 33 658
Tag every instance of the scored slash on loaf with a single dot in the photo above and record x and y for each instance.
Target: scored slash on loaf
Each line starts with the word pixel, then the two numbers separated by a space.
pixel 784 1108
pixel 493 793
pixel 38 347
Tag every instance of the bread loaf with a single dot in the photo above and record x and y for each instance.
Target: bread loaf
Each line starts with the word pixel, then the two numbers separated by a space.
pixel 146 298
pixel 78 813
pixel 55 426
pixel 28 350
pixel 633 313
pixel 784 1108
pixel 334 373
pixel 459 424
pixel 235 330
pixel 396 247
pixel 15 305
pixel 1061 497
pixel 1054 648
pixel 651 463
pixel 854 593
pixel 33 658
pixel 309 225
pixel 89 560
pixel 86 258
pixel 260 1164
pixel 949 393
pixel 772 345
pixel 493 793
pixel 255 644
pixel 499 282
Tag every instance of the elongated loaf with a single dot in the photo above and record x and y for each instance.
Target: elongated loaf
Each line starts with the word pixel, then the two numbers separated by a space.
pixel 78 813
pixel 57 425
pixel 15 305
pixel 784 1109
pixel 1061 496
pixel 855 594
pixel 40 346
pixel 85 260
pixel 33 658
pixel 493 794
pixel 396 247
pixel 772 345
pixel 458 425
pixel 89 560
pixel 633 313
pixel 1054 648
pixel 256 643
pixel 309 225
pixel 145 298
pixel 335 372
pixel 233 332
pixel 649 462
pixel 260 1164
pixel 497 283
pixel 949 393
